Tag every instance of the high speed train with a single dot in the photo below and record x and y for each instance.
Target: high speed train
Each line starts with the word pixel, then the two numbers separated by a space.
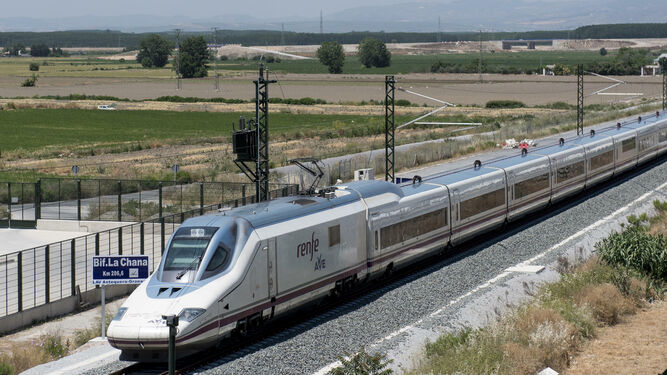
pixel 230 271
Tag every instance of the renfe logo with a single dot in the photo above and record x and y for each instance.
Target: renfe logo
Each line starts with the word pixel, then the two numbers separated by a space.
pixel 303 249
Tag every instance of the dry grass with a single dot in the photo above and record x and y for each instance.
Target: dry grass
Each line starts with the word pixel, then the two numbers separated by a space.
pixel 607 302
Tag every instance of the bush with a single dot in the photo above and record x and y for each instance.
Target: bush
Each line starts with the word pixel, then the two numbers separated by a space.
pixel 403 103
pixel 635 248
pixel 34 67
pixel 6 368
pixel 363 363
pixel 30 81
pixel 504 104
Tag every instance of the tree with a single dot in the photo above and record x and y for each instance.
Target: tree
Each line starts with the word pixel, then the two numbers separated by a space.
pixel 373 52
pixel 192 57
pixel 57 52
pixel 154 51
pixel 39 50
pixel 331 54
pixel 34 67
pixel 603 51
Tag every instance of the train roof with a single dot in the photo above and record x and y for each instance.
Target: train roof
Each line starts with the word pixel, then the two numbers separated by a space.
pixel 286 208
pixel 412 189
pixel 514 160
pixel 460 175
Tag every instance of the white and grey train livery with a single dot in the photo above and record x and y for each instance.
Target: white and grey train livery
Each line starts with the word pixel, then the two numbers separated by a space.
pixel 228 271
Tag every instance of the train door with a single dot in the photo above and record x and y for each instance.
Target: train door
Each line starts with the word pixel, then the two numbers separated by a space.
pixel 456 215
pixel 272 253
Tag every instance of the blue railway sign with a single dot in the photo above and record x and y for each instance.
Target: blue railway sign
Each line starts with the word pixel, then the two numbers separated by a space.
pixel 120 269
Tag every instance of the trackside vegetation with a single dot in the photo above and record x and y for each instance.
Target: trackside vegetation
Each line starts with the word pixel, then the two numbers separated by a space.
pixel 629 272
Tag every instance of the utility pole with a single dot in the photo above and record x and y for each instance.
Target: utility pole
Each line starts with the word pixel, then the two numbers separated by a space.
pixel 479 67
pixel 664 86
pixel 282 34
pixel 215 59
pixel 389 128
pixel 439 32
pixel 251 144
pixel 178 68
pixel 321 23
pixel 262 121
pixel 580 99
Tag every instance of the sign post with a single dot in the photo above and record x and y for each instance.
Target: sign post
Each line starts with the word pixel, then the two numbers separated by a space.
pixel 118 269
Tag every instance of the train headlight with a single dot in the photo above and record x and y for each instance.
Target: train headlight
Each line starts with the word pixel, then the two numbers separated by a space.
pixel 119 315
pixel 190 314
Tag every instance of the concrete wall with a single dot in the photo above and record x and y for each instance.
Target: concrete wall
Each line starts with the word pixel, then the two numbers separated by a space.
pixel 59 308
pixel 79 226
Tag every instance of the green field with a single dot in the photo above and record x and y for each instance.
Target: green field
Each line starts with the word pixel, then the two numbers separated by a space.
pixel 93 67
pixel 423 63
pixel 34 129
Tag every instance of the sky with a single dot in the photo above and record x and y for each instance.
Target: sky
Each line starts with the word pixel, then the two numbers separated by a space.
pixel 192 8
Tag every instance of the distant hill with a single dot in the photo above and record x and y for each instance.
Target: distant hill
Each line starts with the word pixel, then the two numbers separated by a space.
pixel 415 16
pixel 109 38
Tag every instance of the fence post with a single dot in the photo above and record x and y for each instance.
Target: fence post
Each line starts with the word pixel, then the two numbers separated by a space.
pixel 162 244
pixel 243 194
pixel 47 276
pixel 9 205
pixel 141 239
pixel 97 243
pixel 120 241
pixel 78 200
pixel 159 198
pixel 201 198
pixel 120 201
pixel 73 266
pixel 19 279
pixel 38 199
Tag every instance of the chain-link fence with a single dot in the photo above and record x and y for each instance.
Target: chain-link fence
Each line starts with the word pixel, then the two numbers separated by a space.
pixel 44 274
pixel 111 200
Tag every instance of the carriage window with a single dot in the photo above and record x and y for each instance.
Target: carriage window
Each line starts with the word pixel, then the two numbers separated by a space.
pixel 570 171
pixel 601 160
pixel 663 136
pixel 411 228
pixel 646 143
pixel 334 235
pixel 629 144
pixel 531 185
pixel 482 203
pixel 376 240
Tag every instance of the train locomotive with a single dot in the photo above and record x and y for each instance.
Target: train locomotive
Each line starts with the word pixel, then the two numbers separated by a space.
pixel 231 271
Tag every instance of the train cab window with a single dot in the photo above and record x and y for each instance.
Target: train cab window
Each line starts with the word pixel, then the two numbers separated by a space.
pixel 334 235
pixel 186 251
pixel 219 261
pixel 628 144
pixel 570 171
pixel 602 159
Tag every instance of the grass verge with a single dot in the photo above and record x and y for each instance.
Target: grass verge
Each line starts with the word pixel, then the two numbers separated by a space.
pixel 550 329
pixel 48 347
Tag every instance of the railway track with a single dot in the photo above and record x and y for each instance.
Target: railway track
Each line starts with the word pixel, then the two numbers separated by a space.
pixel 283 329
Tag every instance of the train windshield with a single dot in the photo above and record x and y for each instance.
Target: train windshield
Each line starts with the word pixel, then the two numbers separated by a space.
pixel 187 250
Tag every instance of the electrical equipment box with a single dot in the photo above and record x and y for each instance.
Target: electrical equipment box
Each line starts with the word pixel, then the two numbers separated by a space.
pixel 244 141
pixel 364 174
